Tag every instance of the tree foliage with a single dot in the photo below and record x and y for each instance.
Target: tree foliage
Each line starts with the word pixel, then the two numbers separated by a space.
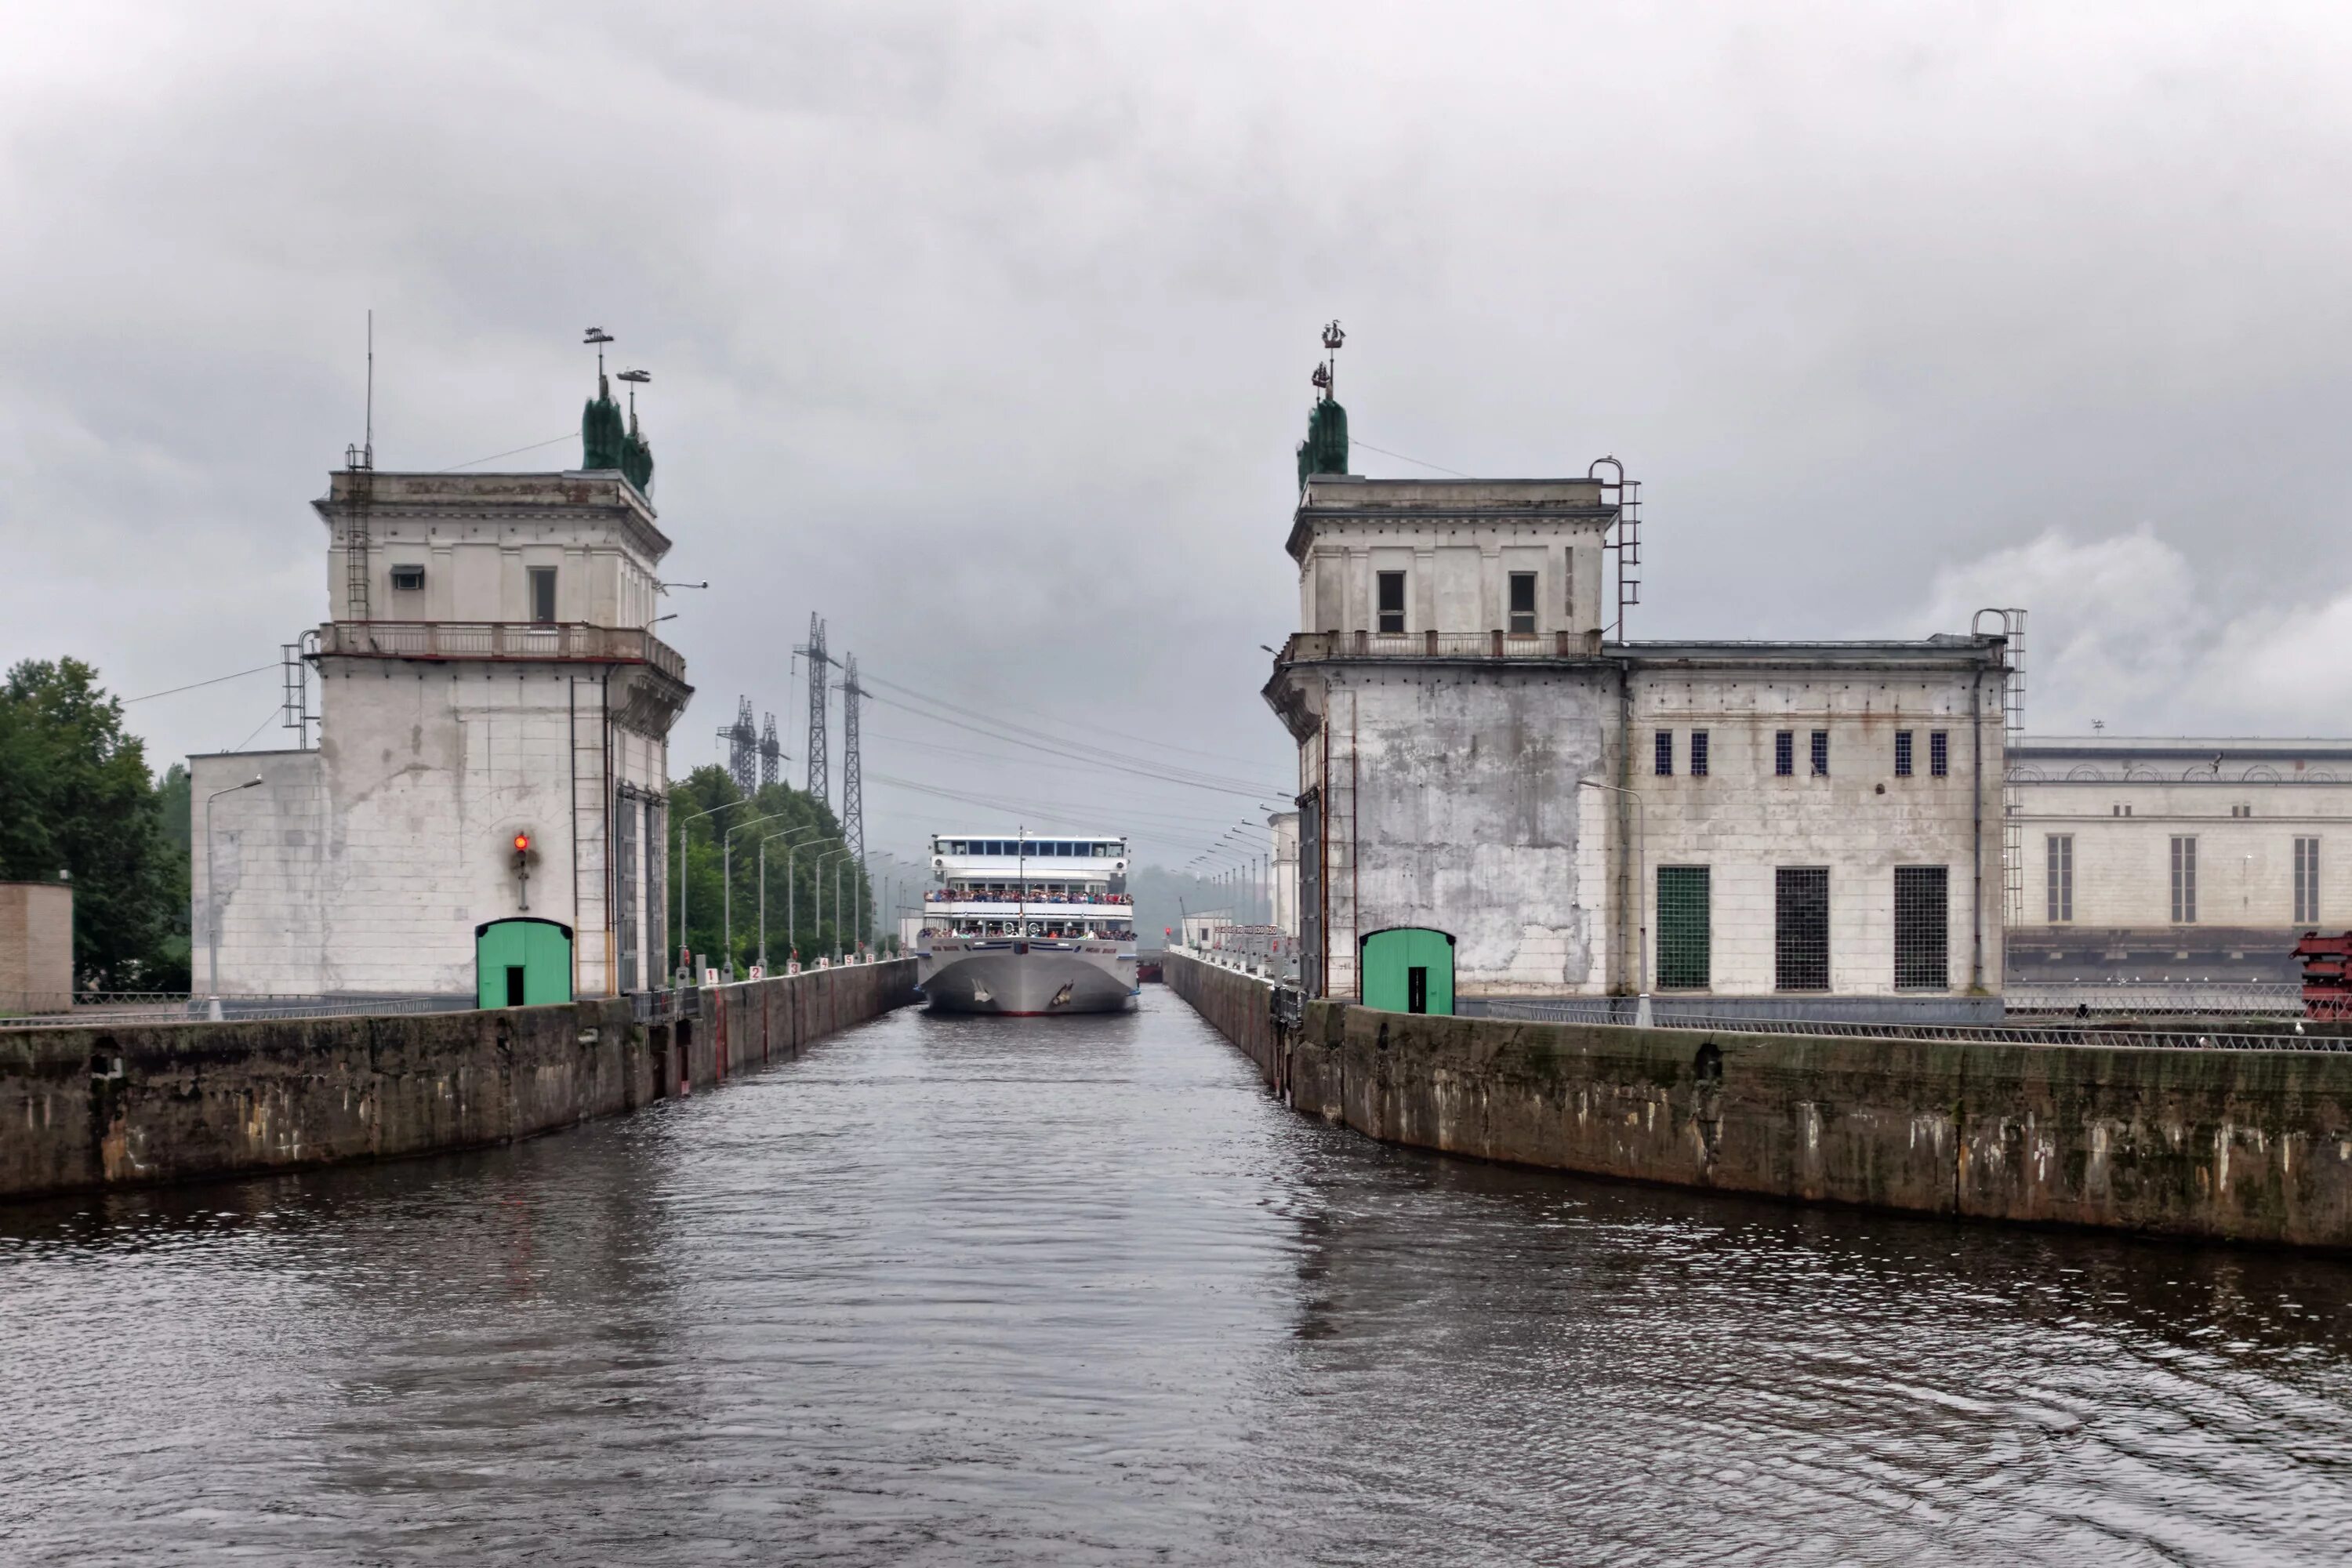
pixel 77 798
pixel 802 838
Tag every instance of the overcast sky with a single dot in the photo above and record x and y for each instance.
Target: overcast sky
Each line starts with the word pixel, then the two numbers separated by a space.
pixel 984 331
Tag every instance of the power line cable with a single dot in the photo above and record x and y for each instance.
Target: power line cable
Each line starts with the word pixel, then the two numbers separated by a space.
pixel 535 445
pixel 1400 456
pixel 215 681
pixel 1220 784
pixel 1067 723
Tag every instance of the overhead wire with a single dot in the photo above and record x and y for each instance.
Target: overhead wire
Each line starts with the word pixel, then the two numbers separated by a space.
pixel 191 686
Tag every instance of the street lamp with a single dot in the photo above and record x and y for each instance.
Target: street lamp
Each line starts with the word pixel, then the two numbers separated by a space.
pixel 817 868
pixel 683 939
pixel 787 833
pixel 727 884
pixel 212 899
pixel 1641 898
pixel 792 902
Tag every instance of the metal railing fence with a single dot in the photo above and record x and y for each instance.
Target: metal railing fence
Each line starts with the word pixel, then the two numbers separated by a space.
pixel 1620 1011
pixel 2282 997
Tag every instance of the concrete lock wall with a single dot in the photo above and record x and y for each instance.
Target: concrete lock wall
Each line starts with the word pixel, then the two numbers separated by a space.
pixel 2217 1144
pixel 95 1108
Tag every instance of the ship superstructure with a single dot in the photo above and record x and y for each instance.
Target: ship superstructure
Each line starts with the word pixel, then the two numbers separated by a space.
pixel 1027 923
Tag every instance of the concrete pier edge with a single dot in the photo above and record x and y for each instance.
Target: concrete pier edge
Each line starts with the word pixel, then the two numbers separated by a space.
pixel 98 1108
pixel 2239 1146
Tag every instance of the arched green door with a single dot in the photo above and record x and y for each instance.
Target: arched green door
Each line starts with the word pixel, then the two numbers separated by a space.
pixel 521 962
pixel 1408 968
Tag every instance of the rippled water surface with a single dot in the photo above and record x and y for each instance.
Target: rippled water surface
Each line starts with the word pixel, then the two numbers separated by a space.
pixel 1074 1291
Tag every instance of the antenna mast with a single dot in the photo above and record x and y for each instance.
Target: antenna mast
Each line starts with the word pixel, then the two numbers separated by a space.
pixel 359 497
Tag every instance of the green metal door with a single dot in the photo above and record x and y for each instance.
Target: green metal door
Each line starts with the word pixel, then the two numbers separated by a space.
pixel 521 962
pixel 1408 968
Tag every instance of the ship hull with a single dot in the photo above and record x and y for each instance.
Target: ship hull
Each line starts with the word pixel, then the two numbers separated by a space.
pixel 1025 978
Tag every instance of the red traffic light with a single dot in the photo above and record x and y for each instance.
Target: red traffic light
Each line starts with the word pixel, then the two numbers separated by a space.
pixel 522 841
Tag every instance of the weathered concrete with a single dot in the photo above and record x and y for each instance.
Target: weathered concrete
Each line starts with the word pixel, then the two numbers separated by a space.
pixel 2217 1144
pixel 96 1107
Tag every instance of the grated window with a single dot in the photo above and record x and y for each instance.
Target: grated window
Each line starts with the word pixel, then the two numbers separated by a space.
pixel 1684 945
pixel 1902 753
pixel 1663 755
pixel 1923 959
pixel 1784 753
pixel 1821 753
pixel 1939 753
pixel 1800 928
pixel 1699 753
pixel 408 578
pixel 2306 882
pixel 2184 880
pixel 2058 856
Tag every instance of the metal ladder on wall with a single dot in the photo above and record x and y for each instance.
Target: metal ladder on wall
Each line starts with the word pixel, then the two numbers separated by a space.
pixel 2012 803
pixel 1628 540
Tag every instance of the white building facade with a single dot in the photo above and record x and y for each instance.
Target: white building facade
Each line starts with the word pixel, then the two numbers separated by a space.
pixel 2152 859
pixel 1813 829
pixel 493 715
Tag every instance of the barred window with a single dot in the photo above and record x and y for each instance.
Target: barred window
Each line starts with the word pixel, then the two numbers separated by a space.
pixel 2058 856
pixel 2306 882
pixel 1923 959
pixel 1784 753
pixel 1940 753
pixel 1800 928
pixel 1663 749
pixel 1902 753
pixel 2184 882
pixel 1685 946
pixel 1821 753
pixel 1699 753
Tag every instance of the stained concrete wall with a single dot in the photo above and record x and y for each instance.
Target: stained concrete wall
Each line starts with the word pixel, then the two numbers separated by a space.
pixel 94 1108
pixel 2226 1146
pixel 36 946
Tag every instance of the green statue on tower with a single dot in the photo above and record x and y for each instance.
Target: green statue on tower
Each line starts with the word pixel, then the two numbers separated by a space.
pixel 1325 450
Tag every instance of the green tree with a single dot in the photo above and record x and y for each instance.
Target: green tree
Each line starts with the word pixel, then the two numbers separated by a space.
pixel 76 797
pixel 699 845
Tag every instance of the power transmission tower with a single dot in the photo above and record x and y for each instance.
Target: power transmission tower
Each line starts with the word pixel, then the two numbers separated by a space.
pixel 852 792
pixel 820 772
pixel 742 749
pixel 772 753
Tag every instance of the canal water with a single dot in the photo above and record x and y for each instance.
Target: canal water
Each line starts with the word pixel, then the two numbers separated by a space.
pixel 996 1291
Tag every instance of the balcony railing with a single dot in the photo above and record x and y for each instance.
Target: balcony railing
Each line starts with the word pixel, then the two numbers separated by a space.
pixel 500 639
pixel 1310 646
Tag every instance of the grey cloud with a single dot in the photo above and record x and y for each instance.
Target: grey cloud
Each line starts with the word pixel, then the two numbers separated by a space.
pixel 984 330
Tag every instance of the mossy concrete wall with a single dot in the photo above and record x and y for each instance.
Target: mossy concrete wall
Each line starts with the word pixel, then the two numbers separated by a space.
pixel 2237 1145
pixel 91 1107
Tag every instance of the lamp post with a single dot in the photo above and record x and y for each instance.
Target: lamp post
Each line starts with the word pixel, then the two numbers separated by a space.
pixel 791 903
pixel 684 940
pixel 727 884
pixel 212 900
pixel 1641 898
pixel 817 867
pixel 771 839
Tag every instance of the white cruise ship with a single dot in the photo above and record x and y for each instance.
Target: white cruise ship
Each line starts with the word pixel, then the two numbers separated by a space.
pixel 1027 923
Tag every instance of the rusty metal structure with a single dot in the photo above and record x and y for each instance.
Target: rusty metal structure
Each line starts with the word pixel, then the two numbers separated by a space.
pixel 2327 976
